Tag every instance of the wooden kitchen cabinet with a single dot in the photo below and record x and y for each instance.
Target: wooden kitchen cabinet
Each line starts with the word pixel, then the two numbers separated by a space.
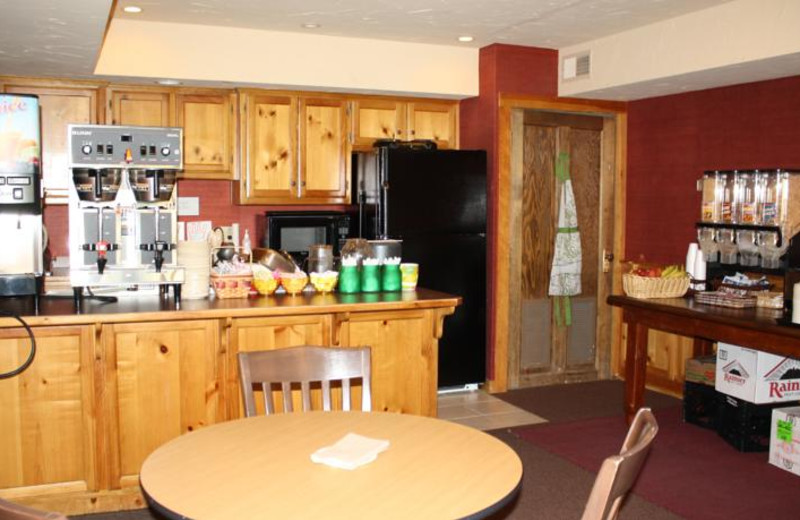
pixel 404 377
pixel 162 379
pixel 61 104
pixel 139 107
pixel 208 120
pixel 48 413
pixel 294 149
pixel 388 118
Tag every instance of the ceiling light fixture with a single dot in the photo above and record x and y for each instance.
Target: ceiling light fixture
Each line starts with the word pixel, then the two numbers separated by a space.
pixel 133 9
pixel 465 38
pixel 311 26
pixel 168 82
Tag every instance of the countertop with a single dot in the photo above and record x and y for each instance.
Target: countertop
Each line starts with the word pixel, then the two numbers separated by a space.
pixel 62 311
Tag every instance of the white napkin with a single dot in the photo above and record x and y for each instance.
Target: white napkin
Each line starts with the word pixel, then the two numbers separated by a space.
pixel 350 452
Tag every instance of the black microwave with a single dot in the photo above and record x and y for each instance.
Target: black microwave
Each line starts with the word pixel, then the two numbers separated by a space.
pixel 295 231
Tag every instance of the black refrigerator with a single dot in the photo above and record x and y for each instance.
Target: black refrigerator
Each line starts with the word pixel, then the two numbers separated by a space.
pixel 435 202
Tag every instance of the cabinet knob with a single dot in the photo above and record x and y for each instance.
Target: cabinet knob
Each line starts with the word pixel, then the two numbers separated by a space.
pixel 303 184
pixel 294 183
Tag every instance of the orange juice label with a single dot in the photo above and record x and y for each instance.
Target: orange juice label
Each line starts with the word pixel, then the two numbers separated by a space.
pixel 748 213
pixel 708 212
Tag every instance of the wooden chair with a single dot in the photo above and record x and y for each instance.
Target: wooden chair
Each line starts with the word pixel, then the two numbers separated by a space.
pixel 618 472
pixel 304 365
pixel 12 511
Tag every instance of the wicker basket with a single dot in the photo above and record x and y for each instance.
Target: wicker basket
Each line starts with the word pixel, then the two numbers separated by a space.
pixel 645 287
pixel 231 285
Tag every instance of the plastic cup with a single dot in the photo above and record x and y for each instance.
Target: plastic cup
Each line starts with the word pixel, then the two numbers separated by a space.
pixel 409 274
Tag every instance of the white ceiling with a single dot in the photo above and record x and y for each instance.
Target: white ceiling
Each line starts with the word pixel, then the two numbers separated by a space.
pixel 63 37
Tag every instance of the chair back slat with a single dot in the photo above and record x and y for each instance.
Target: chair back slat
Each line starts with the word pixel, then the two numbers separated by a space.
pixel 311 367
pixel 13 511
pixel 619 472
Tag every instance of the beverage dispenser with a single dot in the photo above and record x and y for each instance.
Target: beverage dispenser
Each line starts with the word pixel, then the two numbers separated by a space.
pixel 21 264
pixel 123 207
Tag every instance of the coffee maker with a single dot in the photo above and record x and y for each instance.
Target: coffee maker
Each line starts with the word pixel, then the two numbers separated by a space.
pixel 21 264
pixel 123 208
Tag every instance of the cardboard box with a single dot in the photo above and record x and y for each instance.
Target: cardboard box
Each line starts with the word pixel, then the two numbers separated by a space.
pixel 784 446
pixel 701 370
pixel 756 377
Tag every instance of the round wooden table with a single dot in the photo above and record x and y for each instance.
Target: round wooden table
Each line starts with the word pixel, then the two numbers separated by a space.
pixel 260 467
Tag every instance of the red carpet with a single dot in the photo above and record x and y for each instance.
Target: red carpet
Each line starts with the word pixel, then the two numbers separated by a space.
pixel 690 471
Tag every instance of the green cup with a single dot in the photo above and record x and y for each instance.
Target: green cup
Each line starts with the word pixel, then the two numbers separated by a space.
pixel 349 279
pixel 391 279
pixel 370 278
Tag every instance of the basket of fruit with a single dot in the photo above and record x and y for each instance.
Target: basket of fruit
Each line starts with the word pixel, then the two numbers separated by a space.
pixel 670 281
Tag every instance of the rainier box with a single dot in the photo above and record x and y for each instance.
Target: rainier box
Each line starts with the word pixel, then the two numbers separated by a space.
pixel 756 377
pixel 784 446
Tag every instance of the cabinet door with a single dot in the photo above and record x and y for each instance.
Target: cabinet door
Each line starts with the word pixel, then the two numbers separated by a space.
pixel 324 150
pixel 435 121
pixel 59 107
pixel 164 380
pixel 269 148
pixel 375 119
pixel 404 358
pixel 250 334
pixel 208 129
pixel 139 108
pixel 48 437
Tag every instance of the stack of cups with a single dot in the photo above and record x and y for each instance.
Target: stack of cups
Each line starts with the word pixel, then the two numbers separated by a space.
pixel 194 256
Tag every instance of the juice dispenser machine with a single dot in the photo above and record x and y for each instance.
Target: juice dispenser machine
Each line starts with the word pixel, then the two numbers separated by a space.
pixel 123 207
pixel 21 264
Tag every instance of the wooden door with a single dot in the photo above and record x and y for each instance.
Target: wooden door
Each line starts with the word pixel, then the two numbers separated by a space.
pixel 324 150
pixel 251 334
pixel 434 121
pixel 163 379
pixel 139 108
pixel 207 120
pixel 59 107
pixel 269 148
pixel 550 351
pixel 404 379
pixel 48 439
pixel 375 119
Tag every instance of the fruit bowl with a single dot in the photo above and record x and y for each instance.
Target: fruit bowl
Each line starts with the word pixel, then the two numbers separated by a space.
pixel 324 282
pixel 265 286
pixel 294 283
pixel 645 287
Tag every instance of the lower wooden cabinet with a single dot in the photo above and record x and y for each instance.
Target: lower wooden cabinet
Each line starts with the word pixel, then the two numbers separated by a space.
pixel 99 398
pixel 162 380
pixel 48 438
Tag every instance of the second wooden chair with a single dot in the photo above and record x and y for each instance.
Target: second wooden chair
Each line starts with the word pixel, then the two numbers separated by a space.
pixel 305 365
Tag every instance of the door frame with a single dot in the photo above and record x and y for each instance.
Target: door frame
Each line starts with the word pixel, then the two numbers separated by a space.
pixel 507 303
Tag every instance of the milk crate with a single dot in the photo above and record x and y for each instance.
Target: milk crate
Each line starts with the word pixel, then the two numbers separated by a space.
pixel 744 425
pixel 700 404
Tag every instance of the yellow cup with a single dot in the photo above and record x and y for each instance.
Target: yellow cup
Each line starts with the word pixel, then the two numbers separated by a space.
pixel 409 274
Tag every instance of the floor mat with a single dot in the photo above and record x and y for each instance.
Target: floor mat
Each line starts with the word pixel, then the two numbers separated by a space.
pixel 690 471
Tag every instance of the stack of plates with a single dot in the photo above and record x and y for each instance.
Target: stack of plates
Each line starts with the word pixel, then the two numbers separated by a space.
pixel 195 257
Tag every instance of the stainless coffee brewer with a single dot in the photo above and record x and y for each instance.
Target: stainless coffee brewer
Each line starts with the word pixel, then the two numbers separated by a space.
pixel 21 265
pixel 123 207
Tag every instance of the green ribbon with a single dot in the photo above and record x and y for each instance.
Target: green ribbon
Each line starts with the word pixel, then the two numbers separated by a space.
pixel 562 174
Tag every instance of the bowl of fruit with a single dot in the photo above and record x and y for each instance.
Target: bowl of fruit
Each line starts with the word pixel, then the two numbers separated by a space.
pixel 646 281
pixel 295 282
pixel 324 282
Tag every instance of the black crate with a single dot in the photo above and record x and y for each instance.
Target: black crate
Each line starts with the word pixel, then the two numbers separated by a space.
pixel 745 426
pixel 700 404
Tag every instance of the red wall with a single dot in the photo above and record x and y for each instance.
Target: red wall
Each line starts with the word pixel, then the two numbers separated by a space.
pixel 673 139
pixel 508 69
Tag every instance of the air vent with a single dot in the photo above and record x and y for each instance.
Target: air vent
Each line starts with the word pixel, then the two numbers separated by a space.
pixel 576 66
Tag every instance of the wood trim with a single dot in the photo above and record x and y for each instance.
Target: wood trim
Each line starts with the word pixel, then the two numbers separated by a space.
pixel 502 231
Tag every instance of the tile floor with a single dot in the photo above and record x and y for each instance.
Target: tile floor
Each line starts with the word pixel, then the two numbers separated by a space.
pixel 482 411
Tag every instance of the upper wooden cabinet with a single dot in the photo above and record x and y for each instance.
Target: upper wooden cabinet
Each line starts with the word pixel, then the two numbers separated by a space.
pixel 209 128
pixel 294 149
pixel 206 116
pixel 386 118
pixel 60 105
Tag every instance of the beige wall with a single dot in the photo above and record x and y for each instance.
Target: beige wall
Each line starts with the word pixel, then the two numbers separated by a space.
pixel 290 60
pixel 739 40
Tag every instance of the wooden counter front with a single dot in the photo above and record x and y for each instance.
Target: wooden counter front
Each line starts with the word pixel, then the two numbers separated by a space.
pixel 112 383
